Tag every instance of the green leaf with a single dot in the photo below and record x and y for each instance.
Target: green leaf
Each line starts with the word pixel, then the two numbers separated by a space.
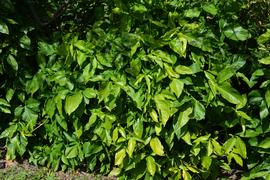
pixel 183 117
pixel 29 115
pixel 199 110
pixel 138 128
pixel 191 13
pixel 9 94
pixel 187 138
pixel 229 145
pixel 163 107
pixel 81 57
pixel 25 42
pixel 164 56
pixel 47 49
pixel 267 98
pixel 217 147
pixel 240 145
pixel 73 102
pixel 156 146
pixel 119 157
pixel 180 69
pixel 139 8
pixel 12 62
pixel 3 28
pixel 264 112
pixel 71 152
pixel 151 165
pixel 3 102
pixel 5 110
pixel 225 74
pixel 244 115
pixel 186 175
pixel 237 159
pixel 210 8
pixel 91 121
pixel 265 37
pixel 229 93
pixel 90 93
pixel 33 85
pixel 131 147
pixel 177 87
pixel 206 162
pixel 265 144
pixel 237 33
pixel 62 122
pixel 179 45
pixel 154 115
pixel 265 60
pixel 50 107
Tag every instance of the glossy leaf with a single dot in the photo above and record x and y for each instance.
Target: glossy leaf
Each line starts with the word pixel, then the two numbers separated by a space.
pixel 230 94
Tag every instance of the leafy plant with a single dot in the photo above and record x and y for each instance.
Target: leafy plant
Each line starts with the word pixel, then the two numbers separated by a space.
pixel 148 89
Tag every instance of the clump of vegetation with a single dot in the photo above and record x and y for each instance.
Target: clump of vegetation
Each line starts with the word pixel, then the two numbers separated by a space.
pixel 137 89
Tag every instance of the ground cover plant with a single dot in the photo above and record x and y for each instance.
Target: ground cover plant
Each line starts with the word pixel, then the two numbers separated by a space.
pixel 153 89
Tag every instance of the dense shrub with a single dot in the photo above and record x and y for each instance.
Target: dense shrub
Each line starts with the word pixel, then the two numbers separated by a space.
pixel 137 89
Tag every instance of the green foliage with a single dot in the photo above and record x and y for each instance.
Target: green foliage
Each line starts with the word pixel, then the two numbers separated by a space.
pixel 145 89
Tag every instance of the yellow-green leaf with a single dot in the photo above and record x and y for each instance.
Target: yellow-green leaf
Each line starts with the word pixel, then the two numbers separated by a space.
pixel 206 162
pixel 156 146
pixel 119 157
pixel 151 165
pixel 180 69
pixel 240 145
pixel 265 144
pixel 183 117
pixel 154 115
pixel 177 87
pixel 265 60
pixel 131 147
pixel 267 98
pixel 237 159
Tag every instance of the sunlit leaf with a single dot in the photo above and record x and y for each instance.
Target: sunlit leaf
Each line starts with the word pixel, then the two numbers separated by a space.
pixel 151 165
pixel 119 157
pixel 156 146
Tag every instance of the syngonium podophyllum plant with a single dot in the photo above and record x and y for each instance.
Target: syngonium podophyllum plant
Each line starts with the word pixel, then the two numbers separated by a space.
pixel 151 89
